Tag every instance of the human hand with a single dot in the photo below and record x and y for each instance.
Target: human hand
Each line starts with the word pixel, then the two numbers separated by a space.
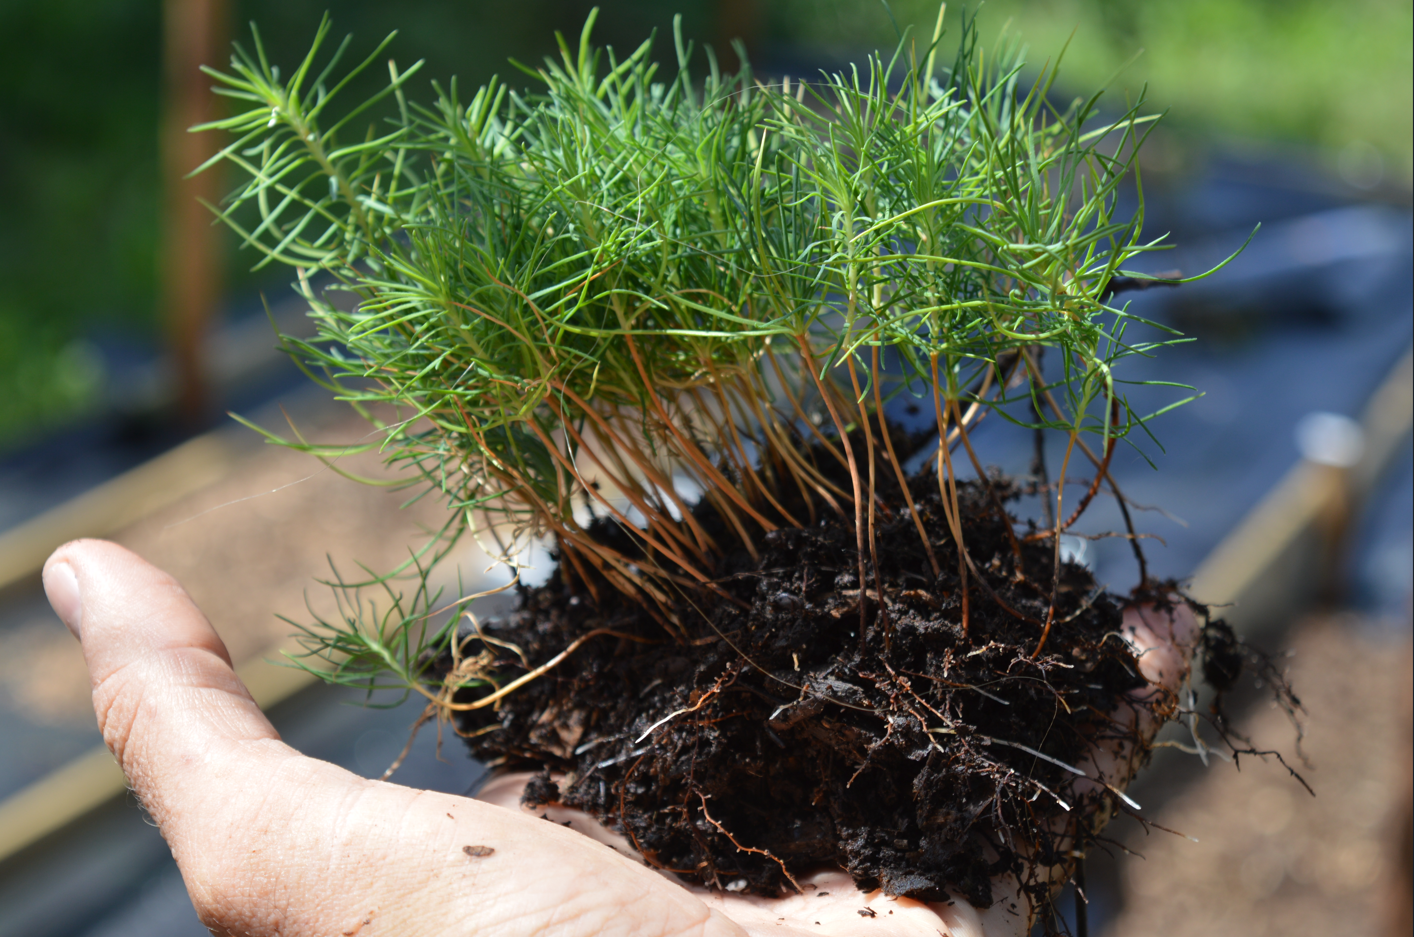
pixel 272 842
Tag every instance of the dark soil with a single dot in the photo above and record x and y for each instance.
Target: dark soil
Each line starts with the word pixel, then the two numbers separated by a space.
pixel 773 737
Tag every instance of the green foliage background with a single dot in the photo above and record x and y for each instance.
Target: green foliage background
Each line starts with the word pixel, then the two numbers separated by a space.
pixel 79 177
pixel 1280 71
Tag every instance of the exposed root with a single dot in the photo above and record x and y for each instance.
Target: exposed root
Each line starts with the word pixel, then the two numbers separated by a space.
pixel 751 849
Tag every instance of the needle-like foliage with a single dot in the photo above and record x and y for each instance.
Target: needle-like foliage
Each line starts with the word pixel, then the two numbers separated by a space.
pixel 632 287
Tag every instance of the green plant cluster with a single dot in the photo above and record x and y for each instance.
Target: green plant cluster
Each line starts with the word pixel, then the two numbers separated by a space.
pixel 601 296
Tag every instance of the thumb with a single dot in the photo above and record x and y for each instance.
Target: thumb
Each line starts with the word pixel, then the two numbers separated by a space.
pixel 167 699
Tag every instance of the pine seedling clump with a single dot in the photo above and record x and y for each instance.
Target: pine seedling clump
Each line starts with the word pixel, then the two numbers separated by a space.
pixel 653 316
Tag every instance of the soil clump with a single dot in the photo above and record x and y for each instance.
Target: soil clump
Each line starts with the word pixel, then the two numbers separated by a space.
pixel 782 730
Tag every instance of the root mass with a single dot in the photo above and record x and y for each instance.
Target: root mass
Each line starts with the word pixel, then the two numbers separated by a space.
pixel 922 756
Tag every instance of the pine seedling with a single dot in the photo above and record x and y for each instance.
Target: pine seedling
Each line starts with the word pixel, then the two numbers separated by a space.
pixel 631 289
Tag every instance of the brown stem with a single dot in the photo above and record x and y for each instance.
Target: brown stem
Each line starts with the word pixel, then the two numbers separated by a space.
pixel 620 571
pixel 1119 496
pixel 570 553
pixel 853 475
pixel 987 483
pixel 723 431
pixel 609 562
pixel 801 414
pixel 704 539
pixel 1129 528
pixel 774 441
pixel 648 538
pixel 952 509
pixel 808 471
pixel 719 490
pixel 624 575
pixel 692 452
pixel 1104 470
pixel 872 497
pixel 898 469
pixel 1038 470
pixel 1055 569
pixel 743 461
pixel 781 447
pixel 654 517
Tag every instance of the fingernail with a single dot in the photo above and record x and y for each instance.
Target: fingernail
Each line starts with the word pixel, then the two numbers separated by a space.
pixel 62 587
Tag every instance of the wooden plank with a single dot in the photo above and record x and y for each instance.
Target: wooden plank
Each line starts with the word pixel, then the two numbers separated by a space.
pixel 115 504
pixel 1274 562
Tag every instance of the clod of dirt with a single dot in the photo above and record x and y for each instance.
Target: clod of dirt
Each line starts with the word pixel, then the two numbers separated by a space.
pixel 1222 656
pixel 802 718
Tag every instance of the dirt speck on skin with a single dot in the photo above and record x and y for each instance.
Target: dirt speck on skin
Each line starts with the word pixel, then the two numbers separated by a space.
pixel 801 718
pixel 478 852
pixel 359 926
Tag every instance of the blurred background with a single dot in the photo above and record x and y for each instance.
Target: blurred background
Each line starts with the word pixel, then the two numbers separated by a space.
pixel 129 326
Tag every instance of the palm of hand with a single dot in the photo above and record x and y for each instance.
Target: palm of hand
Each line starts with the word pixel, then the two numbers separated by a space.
pixel 829 904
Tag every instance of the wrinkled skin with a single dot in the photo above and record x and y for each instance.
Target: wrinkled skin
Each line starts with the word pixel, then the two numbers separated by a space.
pixel 271 842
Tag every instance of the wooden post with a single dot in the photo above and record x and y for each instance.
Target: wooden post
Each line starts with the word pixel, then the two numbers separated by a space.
pixel 194 34
pixel 736 20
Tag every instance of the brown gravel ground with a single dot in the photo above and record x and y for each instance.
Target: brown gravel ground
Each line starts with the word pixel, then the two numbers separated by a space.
pixel 1271 859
